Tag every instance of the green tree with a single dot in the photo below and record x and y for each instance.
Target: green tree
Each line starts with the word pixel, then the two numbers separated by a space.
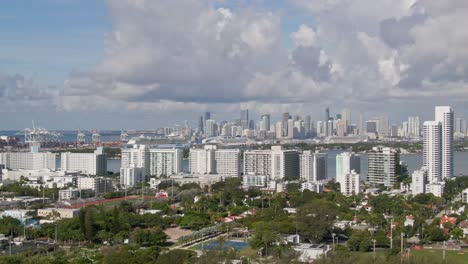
pixel 148 237
pixel 315 219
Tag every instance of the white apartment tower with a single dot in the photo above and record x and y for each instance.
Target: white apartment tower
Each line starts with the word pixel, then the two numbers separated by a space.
pixel 85 163
pixel 276 163
pixel 165 162
pixel 438 145
pixel 445 115
pixel 313 166
pixel 383 164
pixel 432 156
pixel 347 162
pixel 419 181
pixel 28 160
pixel 257 162
pixel 349 184
pixel 227 162
pixel 201 161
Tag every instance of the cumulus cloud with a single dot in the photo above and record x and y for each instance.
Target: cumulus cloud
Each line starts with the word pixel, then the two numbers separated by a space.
pixel 18 92
pixel 189 54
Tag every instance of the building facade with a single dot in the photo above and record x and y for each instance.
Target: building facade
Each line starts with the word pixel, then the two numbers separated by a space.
pixel 383 166
pixel 85 163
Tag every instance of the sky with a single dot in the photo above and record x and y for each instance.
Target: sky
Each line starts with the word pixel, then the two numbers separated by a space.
pixel 143 64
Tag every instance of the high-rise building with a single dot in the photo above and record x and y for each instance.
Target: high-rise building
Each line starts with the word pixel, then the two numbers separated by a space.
pixel 291 128
pixel 227 162
pixel 28 160
pixel 210 128
pixel 445 115
pixel 341 128
pixel 201 126
pixel 371 126
pixel 313 166
pixel 265 125
pixel 284 164
pixel 135 155
pixel 460 127
pixel 307 127
pixel 414 127
pixel 327 119
pixel 347 162
pixel 86 163
pixel 346 115
pixel 279 130
pixel 383 166
pixel 350 184
pixel 132 176
pixel 207 116
pixel 202 161
pixel 383 126
pixel 419 181
pixel 244 119
pixel 432 148
pixel 284 120
pixel 276 163
pixel 165 162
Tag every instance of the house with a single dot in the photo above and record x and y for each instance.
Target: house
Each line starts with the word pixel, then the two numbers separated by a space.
pixel 309 252
pixel 464 226
pixel 445 219
pixel 409 220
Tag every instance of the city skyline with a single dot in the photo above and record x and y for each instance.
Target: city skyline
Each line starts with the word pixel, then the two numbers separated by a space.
pixel 114 64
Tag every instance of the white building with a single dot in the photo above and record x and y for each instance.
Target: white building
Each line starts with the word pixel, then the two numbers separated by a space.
pixel 437 189
pixel 465 195
pixel 62 213
pixel 445 116
pixel 313 166
pixel 137 156
pixel 97 184
pixel 313 187
pixel 210 128
pixel 257 162
pixel 284 163
pixel 18 214
pixel 419 181
pixel 259 181
pixel 28 160
pixel 201 161
pixel 69 194
pixel 227 162
pixel 132 176
pixel 349 183
pixel 345 163
pixel 86 163
pixel 383 164
pixel 432 156
pixel 165 162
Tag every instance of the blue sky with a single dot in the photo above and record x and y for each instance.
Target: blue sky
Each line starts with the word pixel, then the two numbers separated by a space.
pixel 47 39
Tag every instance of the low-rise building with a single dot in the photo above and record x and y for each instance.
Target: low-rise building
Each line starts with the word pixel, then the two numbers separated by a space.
pixel 437 189
pixel 61 213
pixel 98 184
pixel 259 181
pixel 69 194
pixel 465 195
pixel 19 214
pixel 310 252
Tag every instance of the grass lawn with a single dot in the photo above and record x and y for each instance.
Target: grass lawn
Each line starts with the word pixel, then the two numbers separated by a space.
pixel 421 256
pixel 453 257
